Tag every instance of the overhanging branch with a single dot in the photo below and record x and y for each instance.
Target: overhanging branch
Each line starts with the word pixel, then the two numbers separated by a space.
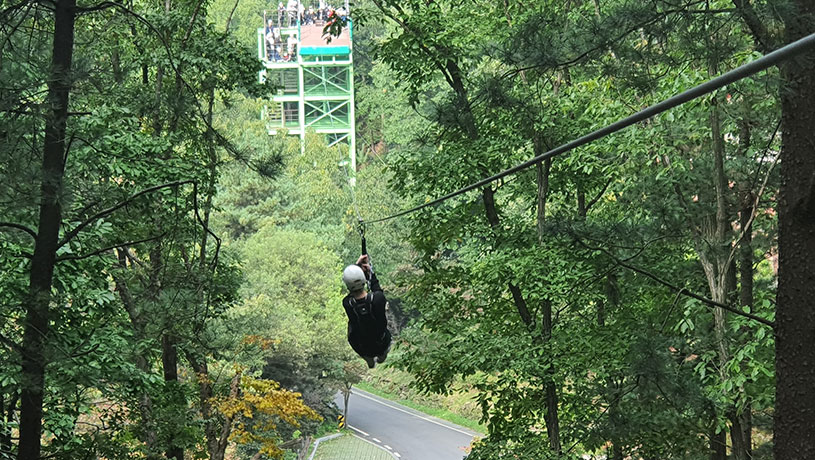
pixel 20 227
pixel 106 212
pixel 701 298
pixel 109 248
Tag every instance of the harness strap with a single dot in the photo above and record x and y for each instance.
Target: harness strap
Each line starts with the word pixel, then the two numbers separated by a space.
pixel 369 299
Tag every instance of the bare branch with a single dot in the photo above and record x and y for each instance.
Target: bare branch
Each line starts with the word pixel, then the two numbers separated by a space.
pixel 605 43
pixel 20 227
pixel 599 195
pixel 231 14
pixel 754 211
pixel 71 234
pixel 764 39
pixel 109 248
pixel 97 7
pixel 703 299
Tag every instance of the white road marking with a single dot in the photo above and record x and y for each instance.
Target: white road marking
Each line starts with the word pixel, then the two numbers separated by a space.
pixel 358 430
pixel 410 413
pixel 388 447
pixel 376 440
pixel 393 454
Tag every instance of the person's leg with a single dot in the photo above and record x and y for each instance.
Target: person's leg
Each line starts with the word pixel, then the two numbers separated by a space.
pixel 380 358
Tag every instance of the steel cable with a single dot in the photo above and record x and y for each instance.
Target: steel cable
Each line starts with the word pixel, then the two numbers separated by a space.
pixel 793 49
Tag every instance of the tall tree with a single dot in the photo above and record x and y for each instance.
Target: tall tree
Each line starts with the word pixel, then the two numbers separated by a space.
pixel 795 398
pixel 37 321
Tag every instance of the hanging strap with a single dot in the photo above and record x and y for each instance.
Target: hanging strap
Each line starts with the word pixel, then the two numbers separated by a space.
pixel 361 230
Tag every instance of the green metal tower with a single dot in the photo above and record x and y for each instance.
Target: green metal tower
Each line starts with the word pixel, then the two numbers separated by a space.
pixel 314 77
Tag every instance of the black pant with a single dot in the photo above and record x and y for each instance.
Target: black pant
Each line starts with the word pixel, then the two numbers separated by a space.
pixel 365 345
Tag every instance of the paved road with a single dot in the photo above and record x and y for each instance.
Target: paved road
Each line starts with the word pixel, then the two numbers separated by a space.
pixel 411 435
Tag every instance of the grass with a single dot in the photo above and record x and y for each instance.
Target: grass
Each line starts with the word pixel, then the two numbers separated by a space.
pixel 435 412
pixel 349 447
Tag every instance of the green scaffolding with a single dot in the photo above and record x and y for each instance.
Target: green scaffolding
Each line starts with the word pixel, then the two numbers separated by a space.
pixel 313 89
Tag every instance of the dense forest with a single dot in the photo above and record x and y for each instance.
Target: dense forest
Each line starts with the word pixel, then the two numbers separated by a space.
pixel 170 273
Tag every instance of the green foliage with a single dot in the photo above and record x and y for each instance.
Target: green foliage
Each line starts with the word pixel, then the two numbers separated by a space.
pixel 167 156
pixel 500 83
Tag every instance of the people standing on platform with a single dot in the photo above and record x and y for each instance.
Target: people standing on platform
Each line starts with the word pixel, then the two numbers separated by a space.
pixel 291 7
pixel 292 47
pixel 269 39
pixel 281 12
pixel 276 40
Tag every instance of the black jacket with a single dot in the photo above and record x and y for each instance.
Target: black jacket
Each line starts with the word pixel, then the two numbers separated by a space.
pixel 367 325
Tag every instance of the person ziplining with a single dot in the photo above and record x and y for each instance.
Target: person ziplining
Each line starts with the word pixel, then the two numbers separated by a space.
pixel 367 325
pixel 368 332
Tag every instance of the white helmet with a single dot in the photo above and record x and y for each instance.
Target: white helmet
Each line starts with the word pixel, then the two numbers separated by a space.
pixel 354 278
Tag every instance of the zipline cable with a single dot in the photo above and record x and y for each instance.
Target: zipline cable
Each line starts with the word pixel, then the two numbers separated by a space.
pixel 793 49
pixel 360 222
pixel 351 190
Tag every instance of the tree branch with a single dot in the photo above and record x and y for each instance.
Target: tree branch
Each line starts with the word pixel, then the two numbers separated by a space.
pixel 231 14
pixel 108 248
pixel 440 65
pixel 20 227
pixel 753 213
pixel 205 226
pixel 97 7
pixel 599 195
pixel 7 11
pixel 603 45
pixel 222 141
pixel 703 299
pixel 765 41
pixel 602 412
pixel 71 234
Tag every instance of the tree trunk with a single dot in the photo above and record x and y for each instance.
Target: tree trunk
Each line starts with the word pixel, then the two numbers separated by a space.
pixel 137 321
pixel 169 361
pixel 217 439
pixel 205 400
pixel 612 391
pixel 551 416
pixel 346 395
pixel 212 179
pixel 466 121
pixel 36 326
pixel 718 444
pixel 302 453
pixel 720 273
pixel 795 323
pixel 581 201
pixel 740 425
pixel 5 430
pixel 488 195
pixel 741 437
pixel 616 452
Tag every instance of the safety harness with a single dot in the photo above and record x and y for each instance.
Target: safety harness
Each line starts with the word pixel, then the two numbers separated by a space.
pixel 362 309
